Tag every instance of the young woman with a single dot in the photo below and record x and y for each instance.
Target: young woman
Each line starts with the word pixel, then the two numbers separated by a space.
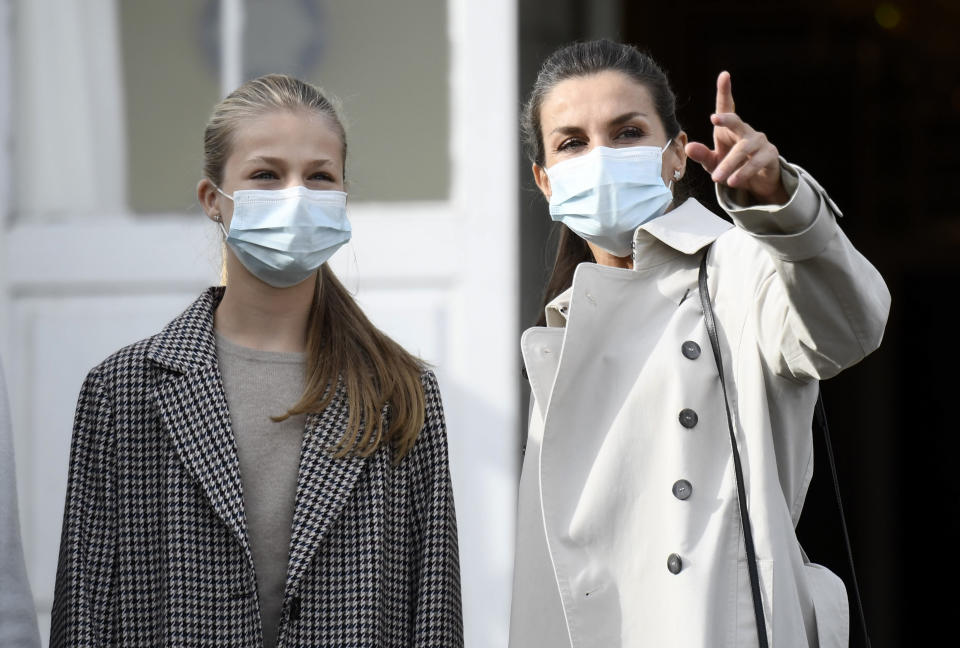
pixel 632 515
pixel 269 468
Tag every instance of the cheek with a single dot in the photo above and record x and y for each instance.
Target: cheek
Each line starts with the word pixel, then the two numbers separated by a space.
pixel 551 157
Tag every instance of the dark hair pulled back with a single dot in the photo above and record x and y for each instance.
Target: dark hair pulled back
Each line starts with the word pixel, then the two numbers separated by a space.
pixel 579 60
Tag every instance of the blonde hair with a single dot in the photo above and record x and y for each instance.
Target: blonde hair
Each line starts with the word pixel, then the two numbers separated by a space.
pixel 266 94
pixel 344 348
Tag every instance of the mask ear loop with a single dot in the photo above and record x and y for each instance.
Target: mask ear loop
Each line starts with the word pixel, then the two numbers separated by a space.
pixel 223 242
pixel 221 192
pixel 676 172
pixel 223 251
pixel 353 269
pixel 351 279
pixel 345 265
pixel 218 216
pixel 219 219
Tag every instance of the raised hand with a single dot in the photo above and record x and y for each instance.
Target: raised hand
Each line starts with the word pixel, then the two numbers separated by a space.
pixel 741 158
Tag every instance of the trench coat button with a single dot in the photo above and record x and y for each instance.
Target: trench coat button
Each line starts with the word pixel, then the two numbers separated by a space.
pixel 688 418
pixel 682 489
pixel 674 563
pixel 690 349
pixel 295 608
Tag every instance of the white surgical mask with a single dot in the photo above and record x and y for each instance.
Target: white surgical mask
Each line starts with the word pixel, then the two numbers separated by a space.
pixel 608 193
pixel 283 235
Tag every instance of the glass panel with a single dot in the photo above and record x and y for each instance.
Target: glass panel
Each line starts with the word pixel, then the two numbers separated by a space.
pixel 388 63
pixel 171 83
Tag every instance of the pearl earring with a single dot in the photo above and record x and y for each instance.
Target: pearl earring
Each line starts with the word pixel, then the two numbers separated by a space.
pixel 676 174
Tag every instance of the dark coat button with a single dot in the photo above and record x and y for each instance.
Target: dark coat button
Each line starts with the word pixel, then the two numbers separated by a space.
pixel 682 489
pixel 688 418
pixel 690 349
pixel 674 563
pixel 295 608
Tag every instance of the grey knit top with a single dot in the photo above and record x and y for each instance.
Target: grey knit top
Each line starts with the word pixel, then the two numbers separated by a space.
pixel 258 385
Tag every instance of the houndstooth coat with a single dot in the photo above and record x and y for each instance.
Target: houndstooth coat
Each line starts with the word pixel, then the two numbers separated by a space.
pixel 155 550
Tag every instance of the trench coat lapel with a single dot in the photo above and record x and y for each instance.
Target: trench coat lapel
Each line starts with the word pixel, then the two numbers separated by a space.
pixel 684 231
pixel 541 348
pixel 193 410
pixel 324 487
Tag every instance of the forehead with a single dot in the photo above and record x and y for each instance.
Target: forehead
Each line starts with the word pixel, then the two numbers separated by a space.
pixel 287 134
pixel 600 97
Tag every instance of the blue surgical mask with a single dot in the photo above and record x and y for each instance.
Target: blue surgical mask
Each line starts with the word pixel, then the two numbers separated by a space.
pixel 282 236
pixel 606 194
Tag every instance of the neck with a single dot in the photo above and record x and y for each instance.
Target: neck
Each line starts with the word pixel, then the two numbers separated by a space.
pixel 256 315
pixel 605 258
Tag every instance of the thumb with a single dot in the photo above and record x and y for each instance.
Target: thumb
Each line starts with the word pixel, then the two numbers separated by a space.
pixel 702 154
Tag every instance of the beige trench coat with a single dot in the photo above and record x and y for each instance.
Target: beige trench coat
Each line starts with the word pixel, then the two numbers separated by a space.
pixel 598 519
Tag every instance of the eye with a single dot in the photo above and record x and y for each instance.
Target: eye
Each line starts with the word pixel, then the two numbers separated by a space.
pixel 570 144
pixel 631 132
pixel 322 176
pixel 263 175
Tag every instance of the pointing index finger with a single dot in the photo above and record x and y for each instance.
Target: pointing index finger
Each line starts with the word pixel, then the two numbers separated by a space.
pixel 724 93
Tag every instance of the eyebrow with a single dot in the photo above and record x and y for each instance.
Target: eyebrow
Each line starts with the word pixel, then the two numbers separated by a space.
pixel 616 121
pixel 279 161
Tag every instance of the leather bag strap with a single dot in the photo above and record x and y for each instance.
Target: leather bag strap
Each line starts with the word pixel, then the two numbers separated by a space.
pixel 820 414
pixel 711 324
pixel 821 419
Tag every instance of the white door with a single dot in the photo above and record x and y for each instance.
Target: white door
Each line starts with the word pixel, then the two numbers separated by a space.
pixel 100 243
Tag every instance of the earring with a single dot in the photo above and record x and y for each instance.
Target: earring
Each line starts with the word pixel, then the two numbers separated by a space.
pixel 217 217
pixel 676 174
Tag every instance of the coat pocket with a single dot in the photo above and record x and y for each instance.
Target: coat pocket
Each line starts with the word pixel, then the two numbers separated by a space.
pixel 830 606
pixel 746 634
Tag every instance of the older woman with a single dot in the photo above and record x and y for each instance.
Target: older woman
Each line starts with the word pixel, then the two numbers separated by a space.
pixel 675 378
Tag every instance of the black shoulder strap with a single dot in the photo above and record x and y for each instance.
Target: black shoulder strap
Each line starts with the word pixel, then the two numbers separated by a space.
pixel 820 414
pixel 737 466
pixel 821 418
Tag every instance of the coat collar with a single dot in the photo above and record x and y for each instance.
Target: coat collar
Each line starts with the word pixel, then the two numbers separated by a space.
pixel 687 229
pixel 193 409
pixel 187 344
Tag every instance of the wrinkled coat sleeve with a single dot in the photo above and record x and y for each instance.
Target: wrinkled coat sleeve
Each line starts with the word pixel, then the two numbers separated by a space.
pixel 82 608
pixel 437 617
pixel 824 306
